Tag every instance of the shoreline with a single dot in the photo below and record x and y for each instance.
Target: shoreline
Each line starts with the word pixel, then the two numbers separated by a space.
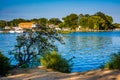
pixel 71 31
pixel 41 73
pixel 67 31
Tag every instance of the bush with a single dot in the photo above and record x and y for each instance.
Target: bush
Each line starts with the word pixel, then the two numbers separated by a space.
pixel 24 66
pixel 114 62
pixel 4 64
pixel 55 61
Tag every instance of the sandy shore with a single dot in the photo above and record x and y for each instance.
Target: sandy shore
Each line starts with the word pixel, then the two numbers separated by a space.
pixel 42 73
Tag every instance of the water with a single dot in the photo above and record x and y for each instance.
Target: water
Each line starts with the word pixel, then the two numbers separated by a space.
pixel 90 49
pixel 7 42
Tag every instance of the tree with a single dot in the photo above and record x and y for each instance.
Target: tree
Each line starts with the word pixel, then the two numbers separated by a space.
pixel 116 25
pixel 62 25
pixel 4 64
pixel 42 21
pixel 71 21
pixel 107 21
pixel 55 21
pixel 98 21
pixel 83 22
pixel 32 44
pixel 34 20
pixel 15 22
pixel 2 23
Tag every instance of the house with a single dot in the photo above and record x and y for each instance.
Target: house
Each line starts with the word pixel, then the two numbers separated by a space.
pixel 26 25
pixel 58 29
pixel 51 25
pixel 7 28
pixel 66 29
pixel 78 28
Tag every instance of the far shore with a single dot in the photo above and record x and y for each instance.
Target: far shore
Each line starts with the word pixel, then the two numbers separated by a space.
pixel 81 30
pixel 70 31
pixel 42 73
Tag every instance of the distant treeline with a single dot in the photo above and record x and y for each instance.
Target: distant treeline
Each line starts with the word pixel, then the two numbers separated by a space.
pixel 98 21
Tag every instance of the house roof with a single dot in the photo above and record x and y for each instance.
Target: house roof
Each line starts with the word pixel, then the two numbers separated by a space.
pixel 26 24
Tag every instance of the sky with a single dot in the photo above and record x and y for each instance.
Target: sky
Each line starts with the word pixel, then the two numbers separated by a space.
pixel 29 9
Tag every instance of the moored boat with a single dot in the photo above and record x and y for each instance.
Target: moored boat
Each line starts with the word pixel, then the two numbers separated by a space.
pixel 19 31
pixel 11 31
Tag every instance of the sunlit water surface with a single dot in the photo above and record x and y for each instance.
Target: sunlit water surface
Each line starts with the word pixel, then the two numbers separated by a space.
pixel 89 49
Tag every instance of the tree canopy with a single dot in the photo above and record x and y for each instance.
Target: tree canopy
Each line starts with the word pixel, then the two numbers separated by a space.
pixel 33 44
pixel 54 21
pixel 2 23
pixel 41 21
pixel 97 21
pixel 71 21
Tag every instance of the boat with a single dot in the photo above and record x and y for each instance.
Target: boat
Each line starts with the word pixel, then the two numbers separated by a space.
pixel 11 31
pixel 19 31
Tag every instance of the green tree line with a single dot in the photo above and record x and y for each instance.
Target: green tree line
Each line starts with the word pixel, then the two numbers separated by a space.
pixel 40 21
pixel 97 21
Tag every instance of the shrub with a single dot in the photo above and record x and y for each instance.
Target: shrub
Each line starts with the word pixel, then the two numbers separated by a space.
pixel 4 64
pixel 114 62
pixel 55 61
pixel 24 66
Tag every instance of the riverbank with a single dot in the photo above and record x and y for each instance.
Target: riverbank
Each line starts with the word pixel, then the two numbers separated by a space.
pixel 42 73
pixel 70 31
pixel 64 31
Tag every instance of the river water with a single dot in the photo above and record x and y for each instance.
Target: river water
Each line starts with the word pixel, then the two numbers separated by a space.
pixel 89 49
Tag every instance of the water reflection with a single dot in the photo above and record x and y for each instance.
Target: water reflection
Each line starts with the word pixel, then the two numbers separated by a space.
pixel 76 43
pixel 90 51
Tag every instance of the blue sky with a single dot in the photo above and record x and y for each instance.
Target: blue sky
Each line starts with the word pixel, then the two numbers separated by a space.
pixel 28 9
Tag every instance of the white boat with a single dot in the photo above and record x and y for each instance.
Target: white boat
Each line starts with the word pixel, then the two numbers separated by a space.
pixel 1 31
pixel 19 31
pixel 11 31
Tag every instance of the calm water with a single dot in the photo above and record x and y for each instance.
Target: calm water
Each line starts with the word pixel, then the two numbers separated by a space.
pixel 90 49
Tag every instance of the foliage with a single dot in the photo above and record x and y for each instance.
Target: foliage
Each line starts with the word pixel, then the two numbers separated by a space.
pixel 54 21
pixel 24 66
pixel 116 25
pixel 61 25
pixel 55 61
pixel 114 63
pixel 4 64
pixel 34 43
pixel 2 23
pixel 71 21
pixel 15 22
pixel 98 21
pixel 41 21
pixel 83 22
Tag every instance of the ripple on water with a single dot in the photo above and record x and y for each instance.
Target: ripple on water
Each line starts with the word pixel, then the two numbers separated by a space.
pixel 90 49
